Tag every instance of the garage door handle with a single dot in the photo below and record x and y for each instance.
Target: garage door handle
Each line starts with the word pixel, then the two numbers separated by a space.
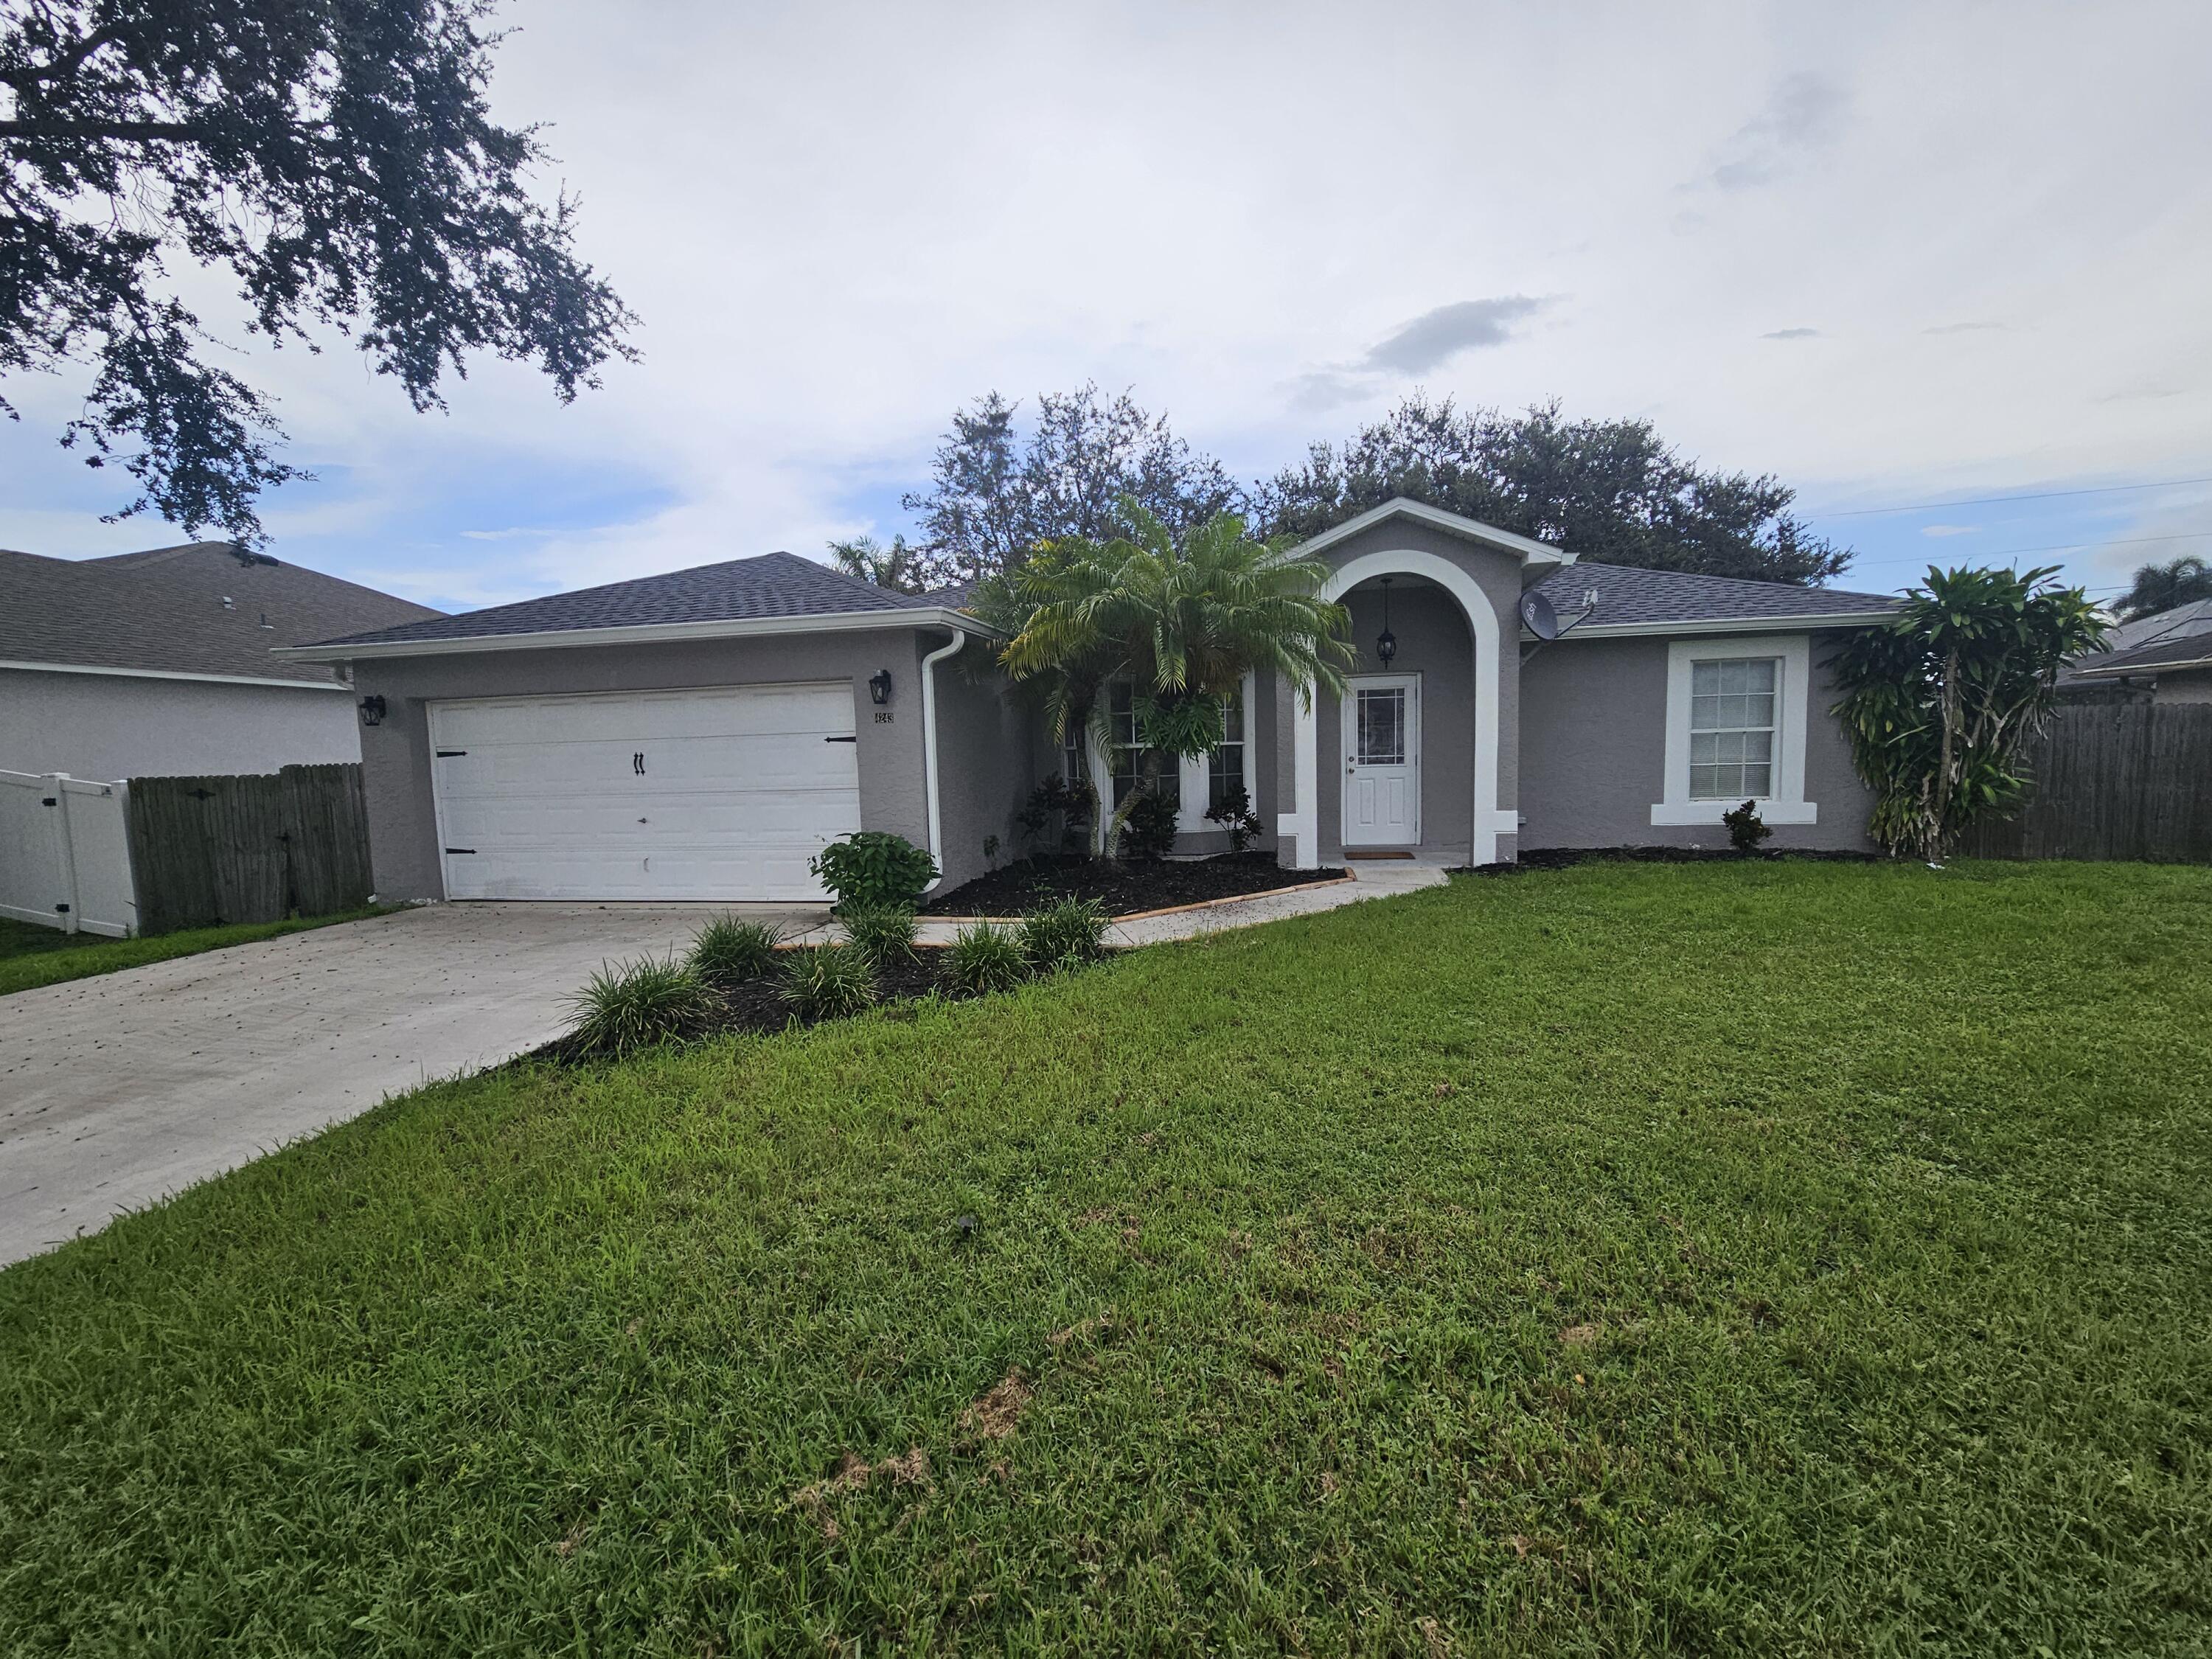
pixel 840 739
pixel 450 754
pixel 460 850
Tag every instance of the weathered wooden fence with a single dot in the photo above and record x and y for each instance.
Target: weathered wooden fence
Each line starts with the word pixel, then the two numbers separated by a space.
pixel 257 848
pixel 2114 782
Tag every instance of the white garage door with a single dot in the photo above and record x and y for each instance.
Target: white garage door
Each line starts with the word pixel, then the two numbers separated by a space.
pixel 720 794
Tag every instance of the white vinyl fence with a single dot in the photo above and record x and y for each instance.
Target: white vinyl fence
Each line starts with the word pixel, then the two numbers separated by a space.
pixel 65 854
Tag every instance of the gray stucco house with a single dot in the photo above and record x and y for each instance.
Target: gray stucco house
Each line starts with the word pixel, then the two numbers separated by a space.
pixel 698 735
pixel 159 663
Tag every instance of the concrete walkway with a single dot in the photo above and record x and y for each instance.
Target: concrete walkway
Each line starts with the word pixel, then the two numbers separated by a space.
pixel 121 1089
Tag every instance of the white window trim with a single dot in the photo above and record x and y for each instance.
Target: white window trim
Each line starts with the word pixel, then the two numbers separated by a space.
pixel 1787 805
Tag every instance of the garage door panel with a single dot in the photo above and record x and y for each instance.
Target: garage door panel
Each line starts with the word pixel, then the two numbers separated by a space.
pixel 544 797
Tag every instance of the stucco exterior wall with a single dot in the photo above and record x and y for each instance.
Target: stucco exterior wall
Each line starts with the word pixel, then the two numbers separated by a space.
pixel 1594 743
pixel 121 725
pixel 985 743
pixel 396 757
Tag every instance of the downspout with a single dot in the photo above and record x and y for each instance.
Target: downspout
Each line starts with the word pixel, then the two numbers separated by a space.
pixel 930 769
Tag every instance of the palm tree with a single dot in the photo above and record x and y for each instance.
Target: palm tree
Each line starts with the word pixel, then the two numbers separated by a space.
pixel 901 568
pixel 1183 624
pixel 2162 586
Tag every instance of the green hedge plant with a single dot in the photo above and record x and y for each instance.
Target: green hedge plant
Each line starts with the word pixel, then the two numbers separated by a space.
pixel 1064 934
pixel 874 867
pixel 727 952
pixel 985 958
pixel 884 933
pixel 631 1005
pixel 829 981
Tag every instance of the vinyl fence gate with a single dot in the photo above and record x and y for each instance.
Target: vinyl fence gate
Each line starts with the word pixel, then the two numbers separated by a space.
pixel 65 854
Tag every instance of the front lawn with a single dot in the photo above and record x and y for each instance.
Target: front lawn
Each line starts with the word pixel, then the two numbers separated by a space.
pixel 33 956
pixel 1749 1258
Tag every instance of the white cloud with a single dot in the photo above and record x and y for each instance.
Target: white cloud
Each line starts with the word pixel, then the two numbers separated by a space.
pixel 838 222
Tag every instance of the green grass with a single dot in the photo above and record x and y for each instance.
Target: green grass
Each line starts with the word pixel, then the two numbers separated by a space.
pixel 1758 1258
pixel 31 956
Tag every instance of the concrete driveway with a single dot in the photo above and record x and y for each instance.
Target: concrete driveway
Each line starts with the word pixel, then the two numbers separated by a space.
pixel 122 1089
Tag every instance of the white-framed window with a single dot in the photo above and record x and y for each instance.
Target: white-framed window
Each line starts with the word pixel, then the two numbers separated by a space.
pixel 1736 706
pixel 1732 708
pixel 1125 755
pixel 1225 767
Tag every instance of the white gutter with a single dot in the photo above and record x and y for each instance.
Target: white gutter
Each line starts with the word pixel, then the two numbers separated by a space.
pixel 929 766
pixel 176 674
pixel 835 622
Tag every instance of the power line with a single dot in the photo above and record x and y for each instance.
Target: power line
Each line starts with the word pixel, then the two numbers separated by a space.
pixel 1994 500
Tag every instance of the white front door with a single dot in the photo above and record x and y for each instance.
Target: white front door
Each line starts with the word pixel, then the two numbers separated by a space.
pixel 710 795
pixel 1381 723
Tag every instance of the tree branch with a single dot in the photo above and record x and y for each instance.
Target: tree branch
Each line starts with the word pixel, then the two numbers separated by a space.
pixel 129 131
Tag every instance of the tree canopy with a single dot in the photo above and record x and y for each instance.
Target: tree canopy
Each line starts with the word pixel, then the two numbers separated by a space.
pixel 902 567
pixel 998 491
pixel 336 157
pixel 1939 704
pixel 2162 586
pixel 1607 490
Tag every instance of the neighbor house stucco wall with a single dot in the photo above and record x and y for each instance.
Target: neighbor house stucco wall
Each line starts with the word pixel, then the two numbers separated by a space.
pixel 109 726
pixel 396 761
pixel 1594 742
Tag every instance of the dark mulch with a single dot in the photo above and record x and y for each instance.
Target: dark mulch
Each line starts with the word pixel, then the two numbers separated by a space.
pixel 759 1005
pixel 1124 887
pixel 1561 857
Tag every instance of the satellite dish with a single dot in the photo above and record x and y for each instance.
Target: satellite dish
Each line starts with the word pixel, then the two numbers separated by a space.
pixel 1538 616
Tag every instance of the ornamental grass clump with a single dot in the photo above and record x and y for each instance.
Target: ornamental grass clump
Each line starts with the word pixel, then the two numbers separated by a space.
pixel 883 932
pixel 984 958
pixel 728 952
pixel 631 1005
pixel 1065 934
pixel 829 981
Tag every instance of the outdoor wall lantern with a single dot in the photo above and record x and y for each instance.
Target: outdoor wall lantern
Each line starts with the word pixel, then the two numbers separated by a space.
pixel 372 710
pixel 879 687
pixel 1386 642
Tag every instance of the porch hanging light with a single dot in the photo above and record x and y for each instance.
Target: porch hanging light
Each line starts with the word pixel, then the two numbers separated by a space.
pixel 1386 642
pixel 879 687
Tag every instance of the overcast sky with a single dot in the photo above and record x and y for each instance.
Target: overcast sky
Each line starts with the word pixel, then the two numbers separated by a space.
pixel 1896 255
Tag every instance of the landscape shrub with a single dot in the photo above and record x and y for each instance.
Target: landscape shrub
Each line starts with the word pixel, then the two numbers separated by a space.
pixel 631 1005
pixel 728 952
pixel 1065 934
pixel 984 958
pixel 829 981
pixel 1149 834
pixel 883 933
pixel 1745 827
pixel 874 867
pixel 1234 813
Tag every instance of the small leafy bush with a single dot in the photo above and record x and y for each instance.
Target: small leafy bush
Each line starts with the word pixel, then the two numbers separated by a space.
pixel 829 981
pixel 1150 833
pixel 983 958
pixel 1064 934
pixel 883 933
pixel 874 867
pixel 1235 814
pixel 728 952
pixel 1073 803
pixel 631 1005
pixel 1745 827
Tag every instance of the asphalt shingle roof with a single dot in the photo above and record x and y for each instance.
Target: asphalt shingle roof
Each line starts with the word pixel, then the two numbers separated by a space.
pixel 772 585
pixel 1627 594
pixel 164 610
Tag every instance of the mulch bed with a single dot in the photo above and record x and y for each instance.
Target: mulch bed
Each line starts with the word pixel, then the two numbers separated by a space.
pixel 1562 858
pixel 1125 888
pixel 759 1005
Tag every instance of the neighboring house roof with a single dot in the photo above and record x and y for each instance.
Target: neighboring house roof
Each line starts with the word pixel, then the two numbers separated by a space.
pixel 1631 601
pixel 775 593
pixel 196 610
pixel 2179 638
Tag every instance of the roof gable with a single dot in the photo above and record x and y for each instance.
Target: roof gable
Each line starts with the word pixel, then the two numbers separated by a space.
pixel 1524 548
